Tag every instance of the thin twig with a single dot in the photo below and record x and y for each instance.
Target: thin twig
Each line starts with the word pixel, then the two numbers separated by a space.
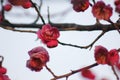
pixel 118 50
pixel 13 29
pixel 39 8
pixel 74 71
pixel 66 44
pixel 117 28
pixel 48 15
pixel 2 9
pixel 38 12
pixel 114 72
pixel 90 45
pixel 50 71
pixel 93 1
pixel 1 60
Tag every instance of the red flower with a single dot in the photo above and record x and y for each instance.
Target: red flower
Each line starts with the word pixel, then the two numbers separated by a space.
pixel 101 55
pixel 118 66
pixel 18 2
pixel 48 35
pixel 1 17
pixel 113 57
pixel 4 77
pixel 104 79
pixel 102 11
pixel 27 5
pixel 3 70
pixel 38 58
pixel 88 74
pixel 80 5
pixel 117 6
pixel 7 7
pixel 52 43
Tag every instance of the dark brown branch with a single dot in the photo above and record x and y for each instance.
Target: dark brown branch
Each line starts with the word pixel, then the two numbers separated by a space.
pixel 66 44
pixel 117 28
pixel 119 50
pixel 50 71
pixel 1 60
pixel 37 11
pixel 90 45
pixel 85 47
pixel 114 72
pixel 13 29
pixel 39 8
pixel 74 71
pixel 66 26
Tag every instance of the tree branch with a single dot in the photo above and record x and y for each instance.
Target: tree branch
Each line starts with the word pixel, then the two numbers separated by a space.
pixel 66 26
pixel 74 71
pixel 114 72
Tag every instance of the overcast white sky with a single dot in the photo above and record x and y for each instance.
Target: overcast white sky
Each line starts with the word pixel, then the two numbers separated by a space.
pixel 15 45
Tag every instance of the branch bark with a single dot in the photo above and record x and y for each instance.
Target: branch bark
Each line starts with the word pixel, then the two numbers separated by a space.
pixel 74 71
pixel 65 26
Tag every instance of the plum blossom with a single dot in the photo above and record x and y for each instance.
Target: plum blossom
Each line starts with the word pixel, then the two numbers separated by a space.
pixel 3 70
pixel 117 6
pixel 38 58
pixel 80 5
pixel 48 35
pixel 7 7
pixel 101 54
pixel 18 2
pixel 4 77
pixel 102 11
pixel 113 57
pixel 24 3
pixel 88 74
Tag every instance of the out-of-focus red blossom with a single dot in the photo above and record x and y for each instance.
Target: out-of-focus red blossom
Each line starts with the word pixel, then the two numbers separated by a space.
pixel 117 6
pixel 52 43
pixel 102 11
pixel 27 5
pixel 49 35
pixel 113 57
pixel 7 7
pixel 118 66
pixel 101 54
pixel 88 74
pixel 3 70
pixel 18 2
pixel 38 58
pixel 104 79
pixel 4 77
pixel 80 5
pixel 1 17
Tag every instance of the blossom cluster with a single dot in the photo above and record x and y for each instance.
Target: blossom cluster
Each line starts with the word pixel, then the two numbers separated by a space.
pixel 49 35
pixel 24 3
pixel 10 3
pixel 99 9
pixel 103 56
pixel 3 71
pixel 38 58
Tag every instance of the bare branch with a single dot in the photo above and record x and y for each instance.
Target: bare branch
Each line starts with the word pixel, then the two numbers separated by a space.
pixel 74 71
pixel 37 11
pixel 66 26
pixel 50 71
pixel 85 47
pixel 115 72
pixel 13 29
